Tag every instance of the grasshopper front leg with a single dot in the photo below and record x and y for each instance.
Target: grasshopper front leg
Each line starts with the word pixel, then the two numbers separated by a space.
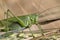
pixel 40 29
pixel 31 31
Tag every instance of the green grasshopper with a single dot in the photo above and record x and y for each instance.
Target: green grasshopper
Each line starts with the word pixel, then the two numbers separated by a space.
pixel 19 23
pixel 23 21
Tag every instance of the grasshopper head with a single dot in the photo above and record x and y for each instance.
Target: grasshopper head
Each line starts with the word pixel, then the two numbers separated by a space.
pixel 34 18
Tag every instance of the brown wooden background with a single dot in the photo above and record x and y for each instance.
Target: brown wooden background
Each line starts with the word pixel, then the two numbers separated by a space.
pixel 24 7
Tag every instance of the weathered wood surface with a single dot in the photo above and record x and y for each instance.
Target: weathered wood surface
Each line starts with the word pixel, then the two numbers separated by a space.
pixel 48 34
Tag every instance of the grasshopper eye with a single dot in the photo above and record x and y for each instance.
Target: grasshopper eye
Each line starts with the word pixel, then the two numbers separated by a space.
pixel 32 19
